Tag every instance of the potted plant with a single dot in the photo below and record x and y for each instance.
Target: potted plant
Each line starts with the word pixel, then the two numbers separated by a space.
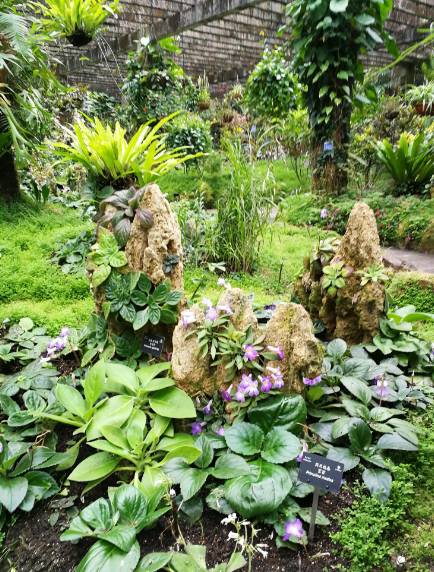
pixel 76 20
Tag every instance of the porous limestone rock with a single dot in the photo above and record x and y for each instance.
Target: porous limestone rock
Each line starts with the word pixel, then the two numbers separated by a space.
pixel 242 315
pixel 355 311
pixel 291 329
pixel 147 250
pixel 191 372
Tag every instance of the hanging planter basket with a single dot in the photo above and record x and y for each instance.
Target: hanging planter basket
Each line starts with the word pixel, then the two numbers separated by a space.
pixel 79 38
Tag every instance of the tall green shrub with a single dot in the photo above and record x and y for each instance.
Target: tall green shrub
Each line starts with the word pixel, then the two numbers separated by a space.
pixel 328 38
pixel 243 211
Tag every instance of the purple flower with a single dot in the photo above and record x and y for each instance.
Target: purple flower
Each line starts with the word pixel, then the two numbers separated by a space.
pixel 324 213
pixel 248 386
pixel 293 529
pixel 64 332
pixel 382 387
pixel 250 354
pixel 239 396
pixel 226 309
pixel 277 350
pixel 305 450
pixel 277 377
pixel 266 383
pixel 220 431
pixel 211 314
pixel 60 344
pixel 51 351
pixel 52 344
pixel 196 428
pixel 207 410
pixel 187 317
pixel 312 381
pixel 226 394
pixel 1 447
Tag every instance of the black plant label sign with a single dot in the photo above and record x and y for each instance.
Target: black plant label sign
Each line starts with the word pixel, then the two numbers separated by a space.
pixel 153 345
pixel 321 472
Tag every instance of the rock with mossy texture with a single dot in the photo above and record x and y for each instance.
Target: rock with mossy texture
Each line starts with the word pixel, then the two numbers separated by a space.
pixel 190 370
pixel 241 306
pixel 156 248
pixel 351 311
pixel 291 329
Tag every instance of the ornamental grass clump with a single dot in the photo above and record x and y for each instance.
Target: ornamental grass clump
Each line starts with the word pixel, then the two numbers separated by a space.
pixel 243 211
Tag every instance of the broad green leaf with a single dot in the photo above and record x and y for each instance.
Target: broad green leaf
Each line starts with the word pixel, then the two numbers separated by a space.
pixel 97 514
pixel 122 536
pixel 229 466
pixel 207 452
pixel 117 409
pixel 355 409
pixel 149 372
pixel 344 456
pixel 380 414
pixel 342 426
pixel 379 483
pixel 94 467
pixel 100 275
pixel 116 436
pixel 260 492
pixel 188 453
pixel 320 520
pixel 360 436
pixel 192 481
pixel 172 402
pixel 244 438
pixel 12 492
pixel 105 557
pixel 396 442
pixel 93 384
pixel 337 348
pixel 120 379
pixel 71 399
pixel 358 388
pixel 131 504
pixel 338 5
pixel 77 529
pixel 285 411
pixel 154 562
pixel 280 446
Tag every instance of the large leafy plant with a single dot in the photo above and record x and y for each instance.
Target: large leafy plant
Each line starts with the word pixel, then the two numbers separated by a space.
pixel 134 298
pixel 104 256
pixel 396 338
pixel 272 90
pixel 193 560
pixel 76 20
pixel 410 163
pixel 248 466
pixel 115 523
pixel 328 39
pixel 110 157
pixel 132 429
pixel 360 407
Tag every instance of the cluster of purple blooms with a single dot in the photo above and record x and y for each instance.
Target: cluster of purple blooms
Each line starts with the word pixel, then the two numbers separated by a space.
pixel 56 345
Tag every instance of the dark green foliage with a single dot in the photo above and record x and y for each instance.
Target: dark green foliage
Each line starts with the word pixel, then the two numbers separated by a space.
pixel 272 90
pixel 413 288
pixel 368 527
pixel 190 131
pixel 71 256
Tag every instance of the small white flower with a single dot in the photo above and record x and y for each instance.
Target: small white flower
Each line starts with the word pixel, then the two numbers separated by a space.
pixel 230 519
pixel 172 493
pixel 400 560
pixel 261 550
pixel 234 536
pixel 221 282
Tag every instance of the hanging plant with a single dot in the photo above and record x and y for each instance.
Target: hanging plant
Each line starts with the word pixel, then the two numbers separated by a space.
pixel 76 20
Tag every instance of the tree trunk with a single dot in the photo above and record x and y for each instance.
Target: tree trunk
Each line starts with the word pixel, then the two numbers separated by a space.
pixel 330 155
pixel 9 186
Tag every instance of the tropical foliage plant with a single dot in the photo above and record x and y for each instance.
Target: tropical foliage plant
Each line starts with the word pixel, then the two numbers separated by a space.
pixel 115 523
pixel 191 132
pixel 76 20
pixel 127 417
pixel 111 158
pixel 410 163
pixel 272 90
pixel 328 39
